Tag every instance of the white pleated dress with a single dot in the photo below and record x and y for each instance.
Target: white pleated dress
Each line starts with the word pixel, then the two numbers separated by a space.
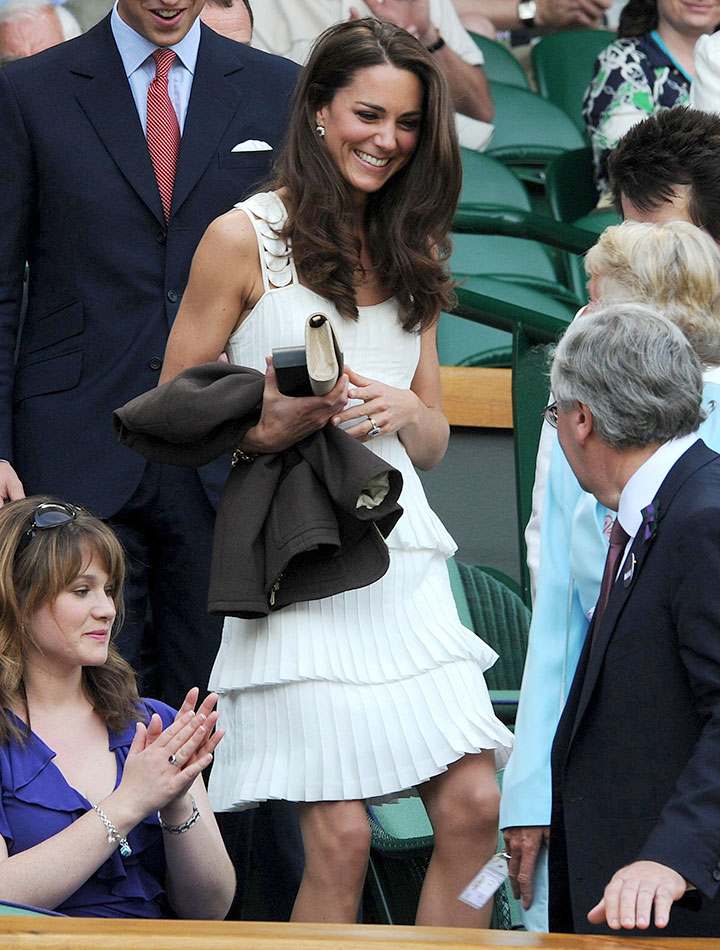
pixel 365 694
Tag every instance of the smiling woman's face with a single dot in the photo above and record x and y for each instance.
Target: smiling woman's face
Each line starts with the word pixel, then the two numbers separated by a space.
pixel 691 18
pixel 372 126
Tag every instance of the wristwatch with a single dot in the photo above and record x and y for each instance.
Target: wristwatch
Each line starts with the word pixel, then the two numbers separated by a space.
pixel 526 10
pixel 438 44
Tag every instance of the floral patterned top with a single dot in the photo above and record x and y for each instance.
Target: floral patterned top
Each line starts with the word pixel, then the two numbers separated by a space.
pixel 634 78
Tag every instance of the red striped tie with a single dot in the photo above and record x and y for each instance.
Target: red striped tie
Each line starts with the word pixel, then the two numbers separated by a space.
pixel 163 131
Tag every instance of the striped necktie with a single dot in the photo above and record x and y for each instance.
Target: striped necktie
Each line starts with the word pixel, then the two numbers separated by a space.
pixel 618 542
pixel 163 131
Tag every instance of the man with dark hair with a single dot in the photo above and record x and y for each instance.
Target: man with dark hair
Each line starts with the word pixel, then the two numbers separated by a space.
pixel 667 168
pixel 635 829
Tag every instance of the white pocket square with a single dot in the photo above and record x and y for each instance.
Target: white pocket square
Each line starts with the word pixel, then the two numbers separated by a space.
pixel 253 145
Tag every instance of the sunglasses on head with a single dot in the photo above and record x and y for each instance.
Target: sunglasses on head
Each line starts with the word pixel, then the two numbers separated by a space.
pixel 47 515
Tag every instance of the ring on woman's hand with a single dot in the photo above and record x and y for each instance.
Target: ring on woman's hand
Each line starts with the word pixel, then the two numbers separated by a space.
pixel 374 428
pixel 172 759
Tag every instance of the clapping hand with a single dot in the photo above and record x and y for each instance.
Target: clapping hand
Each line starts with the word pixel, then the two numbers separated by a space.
pixel 162 764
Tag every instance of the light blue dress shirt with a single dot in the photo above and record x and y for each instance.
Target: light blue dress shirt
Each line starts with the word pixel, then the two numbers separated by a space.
pixel 136 53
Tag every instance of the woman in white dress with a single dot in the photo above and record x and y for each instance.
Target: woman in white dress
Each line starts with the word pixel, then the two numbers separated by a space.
pixel 370 693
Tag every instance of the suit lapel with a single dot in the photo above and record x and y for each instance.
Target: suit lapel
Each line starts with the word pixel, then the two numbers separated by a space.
pixel 695 457
pixel 107 101
pixel 214 100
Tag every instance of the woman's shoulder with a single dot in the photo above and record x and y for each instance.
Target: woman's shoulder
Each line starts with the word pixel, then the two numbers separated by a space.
pixel 148 706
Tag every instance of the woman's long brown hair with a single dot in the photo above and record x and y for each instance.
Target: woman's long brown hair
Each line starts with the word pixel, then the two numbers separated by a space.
pixel 408 219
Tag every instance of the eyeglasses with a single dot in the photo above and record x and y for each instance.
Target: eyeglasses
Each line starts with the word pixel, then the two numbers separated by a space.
pixel 47 515
pixel 550 414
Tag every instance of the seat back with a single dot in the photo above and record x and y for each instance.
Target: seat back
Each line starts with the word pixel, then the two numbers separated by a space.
pixel 570 185
pixel 501 619
pixel 488 181
pixel 563 67
pixel 495 254
pixel 500 64
pixel 11 909
pixel 529 129
pixel 463 342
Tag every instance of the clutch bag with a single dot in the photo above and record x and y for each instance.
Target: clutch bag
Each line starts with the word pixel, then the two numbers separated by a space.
pixel 323 355
pixel 314 369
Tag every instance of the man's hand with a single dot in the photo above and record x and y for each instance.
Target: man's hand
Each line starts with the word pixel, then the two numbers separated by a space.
pixel 570 14
pixel 523 846
pixel 632 893
pixel 411 15
pixel 11 488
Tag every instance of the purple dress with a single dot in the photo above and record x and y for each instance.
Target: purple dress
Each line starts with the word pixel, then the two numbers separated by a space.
pixel 37 803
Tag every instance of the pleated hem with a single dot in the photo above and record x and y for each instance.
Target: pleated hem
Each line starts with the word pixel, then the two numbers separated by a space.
pixel 401 626
pixel 308 742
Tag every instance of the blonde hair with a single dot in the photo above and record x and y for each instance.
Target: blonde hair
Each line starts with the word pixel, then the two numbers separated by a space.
pixel 35 572
pixel 674 267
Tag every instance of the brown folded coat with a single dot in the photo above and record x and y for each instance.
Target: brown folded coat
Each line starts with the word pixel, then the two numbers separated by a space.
pixel 287 526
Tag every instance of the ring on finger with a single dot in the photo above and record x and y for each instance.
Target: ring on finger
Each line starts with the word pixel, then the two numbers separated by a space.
pixel 374 428
pixel 173 760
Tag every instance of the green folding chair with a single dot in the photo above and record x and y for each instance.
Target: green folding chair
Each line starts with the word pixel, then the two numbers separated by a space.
pixel 563 66
pixel 500 65
pixel 513 260
pixel 529 131
pixel 487 181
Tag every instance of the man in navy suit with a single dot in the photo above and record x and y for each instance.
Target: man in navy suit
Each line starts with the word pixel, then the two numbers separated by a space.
pixel 80 202
pixel 635 830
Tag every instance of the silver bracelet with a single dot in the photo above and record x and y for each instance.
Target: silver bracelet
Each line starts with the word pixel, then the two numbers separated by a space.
pixel 113 835
pixel 185 826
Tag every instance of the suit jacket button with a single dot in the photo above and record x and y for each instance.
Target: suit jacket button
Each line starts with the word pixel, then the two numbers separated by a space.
pixel 172 296
pixel 162 237
pixel 716 875
pixel 155 363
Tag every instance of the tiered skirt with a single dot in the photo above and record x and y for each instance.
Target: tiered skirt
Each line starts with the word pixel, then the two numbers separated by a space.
pixel 363 695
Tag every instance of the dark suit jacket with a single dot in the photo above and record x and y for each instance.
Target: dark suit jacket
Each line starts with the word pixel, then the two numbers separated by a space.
pixel 288 527
pixel 79 200
pixel 636 758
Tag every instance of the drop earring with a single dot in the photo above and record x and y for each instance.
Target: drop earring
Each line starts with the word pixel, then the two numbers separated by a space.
pixel 320 129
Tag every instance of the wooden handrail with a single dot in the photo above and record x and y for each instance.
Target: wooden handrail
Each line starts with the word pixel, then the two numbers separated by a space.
pixel 78 933
pixel 477 396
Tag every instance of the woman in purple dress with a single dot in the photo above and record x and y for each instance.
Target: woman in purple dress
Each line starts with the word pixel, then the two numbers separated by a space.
pixel 103 811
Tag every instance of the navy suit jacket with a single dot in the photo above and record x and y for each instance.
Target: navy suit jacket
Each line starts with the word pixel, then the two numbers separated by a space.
pixel 636 758
pixel 79 201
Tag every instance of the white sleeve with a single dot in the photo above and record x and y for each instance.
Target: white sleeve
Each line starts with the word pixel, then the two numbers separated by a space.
pixel 705 88
pixel 444 17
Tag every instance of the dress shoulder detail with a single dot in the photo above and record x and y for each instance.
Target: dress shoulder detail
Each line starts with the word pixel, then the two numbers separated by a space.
pixel 268 214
